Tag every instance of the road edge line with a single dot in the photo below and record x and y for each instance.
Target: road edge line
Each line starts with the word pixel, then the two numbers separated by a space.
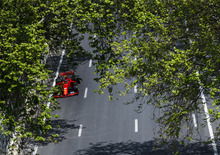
pixel 211 133
pixel 54 83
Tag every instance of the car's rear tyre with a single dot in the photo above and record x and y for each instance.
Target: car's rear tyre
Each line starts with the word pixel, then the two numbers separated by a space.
pixel 78 80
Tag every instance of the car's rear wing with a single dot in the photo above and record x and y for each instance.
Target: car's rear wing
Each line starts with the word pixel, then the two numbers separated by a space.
pixel 67 73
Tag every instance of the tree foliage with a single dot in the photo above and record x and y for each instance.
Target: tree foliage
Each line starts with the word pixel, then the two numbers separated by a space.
pixel 170 48
pixel 29 31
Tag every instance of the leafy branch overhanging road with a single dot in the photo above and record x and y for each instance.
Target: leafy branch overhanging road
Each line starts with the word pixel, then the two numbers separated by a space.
pixel 136 39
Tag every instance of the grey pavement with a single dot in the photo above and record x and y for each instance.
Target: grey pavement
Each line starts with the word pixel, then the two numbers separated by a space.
pixel 92 125
pixel 111 127
pixel 103 121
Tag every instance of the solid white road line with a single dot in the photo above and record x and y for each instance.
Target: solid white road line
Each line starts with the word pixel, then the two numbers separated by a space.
pixel 135 89
pixel 58 68
pixel 80 130
pixel 86 91
pixel 90 63
pixel 194 120
pixel 209 123
pixel 35 150
pixel 57 73
pixel 136 125
pixel 54 83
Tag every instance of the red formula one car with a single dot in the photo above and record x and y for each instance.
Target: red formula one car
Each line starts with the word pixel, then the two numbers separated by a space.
pixel 66 85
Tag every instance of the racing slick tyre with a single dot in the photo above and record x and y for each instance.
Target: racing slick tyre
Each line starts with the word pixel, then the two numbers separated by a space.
pixel 78 80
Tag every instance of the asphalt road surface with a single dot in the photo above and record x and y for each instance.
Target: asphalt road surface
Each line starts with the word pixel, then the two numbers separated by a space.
pixel 90 124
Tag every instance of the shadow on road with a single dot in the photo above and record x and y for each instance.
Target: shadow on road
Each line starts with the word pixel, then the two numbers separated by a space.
pixel 68 63
pixel 146 148
pixel 59 127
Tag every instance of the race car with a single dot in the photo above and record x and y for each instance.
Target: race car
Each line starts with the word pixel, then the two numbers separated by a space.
pixel 66 85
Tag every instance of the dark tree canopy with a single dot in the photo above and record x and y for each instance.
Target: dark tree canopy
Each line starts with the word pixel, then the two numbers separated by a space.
pixel 169 49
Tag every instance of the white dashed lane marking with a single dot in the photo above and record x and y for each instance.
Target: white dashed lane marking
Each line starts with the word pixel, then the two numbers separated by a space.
pixel 136 125
pixel 86 91
pixel 80 130
pixel 194 120
pixel 90 63
pixel 135 89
